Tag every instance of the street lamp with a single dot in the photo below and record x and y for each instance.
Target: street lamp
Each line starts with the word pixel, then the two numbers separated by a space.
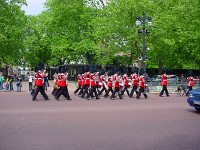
pixel 142 21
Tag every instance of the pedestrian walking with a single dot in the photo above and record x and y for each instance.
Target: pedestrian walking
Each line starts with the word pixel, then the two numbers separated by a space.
pixel 30 82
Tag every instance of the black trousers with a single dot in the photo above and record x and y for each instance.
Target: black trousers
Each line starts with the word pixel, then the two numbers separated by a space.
pixel 93 90
pixel 110 89
pixel 134 89
pixel 141 90
pixel 116 90
pixel 63 91
pixel 125 89
pixel 78 89
pixel 101 91
pixel 189 89
pixel 85 90
pixel 164 89
pixel 41 90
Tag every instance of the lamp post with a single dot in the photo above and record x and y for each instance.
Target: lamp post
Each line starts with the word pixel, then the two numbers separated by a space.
pixel 141 21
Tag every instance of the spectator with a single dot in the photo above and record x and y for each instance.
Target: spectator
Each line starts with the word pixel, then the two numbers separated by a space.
pixel 30 82
pixel 1 81
pixel 183 79
pixel 19 84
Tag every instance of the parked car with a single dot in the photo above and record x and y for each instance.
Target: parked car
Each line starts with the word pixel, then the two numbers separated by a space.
pixel 194 98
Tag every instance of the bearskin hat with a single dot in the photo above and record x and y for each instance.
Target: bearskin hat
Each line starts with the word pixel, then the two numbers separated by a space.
pixel 110 72
pixel 87 68
pixel 60 69
pixel 134 70
pixel 125 70
pixel 64 69
pixel 142 71
pixel 102 72
pixel 40 66
pixel 93 69
pixel 190 72
pixel 164 70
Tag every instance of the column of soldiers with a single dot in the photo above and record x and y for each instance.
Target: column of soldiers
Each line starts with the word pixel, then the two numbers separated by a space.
pixel 113 83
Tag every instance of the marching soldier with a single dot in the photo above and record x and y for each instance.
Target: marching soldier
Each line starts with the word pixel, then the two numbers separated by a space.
pixel 142 83
pixel 190 81
pixel 134 80
pixel 92 85
pixel 117 79
pixel 39 83
pixel 86 84
pixel 126 83
pixel 63 84
pixel 79 82
pixel 103 82
pixel 164 83
pixel 109 84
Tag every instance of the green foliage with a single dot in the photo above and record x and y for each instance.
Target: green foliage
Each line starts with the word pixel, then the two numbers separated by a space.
pixel 102 32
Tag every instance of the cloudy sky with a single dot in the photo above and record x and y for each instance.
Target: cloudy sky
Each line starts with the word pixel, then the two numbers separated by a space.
pixel 34 7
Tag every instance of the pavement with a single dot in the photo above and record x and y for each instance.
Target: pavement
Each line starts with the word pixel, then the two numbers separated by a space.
pixel 156 123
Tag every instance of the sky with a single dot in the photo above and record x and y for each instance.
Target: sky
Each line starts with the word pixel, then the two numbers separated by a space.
pixel 34 7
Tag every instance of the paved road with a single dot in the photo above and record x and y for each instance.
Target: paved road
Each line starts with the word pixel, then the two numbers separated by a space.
pixel 156 123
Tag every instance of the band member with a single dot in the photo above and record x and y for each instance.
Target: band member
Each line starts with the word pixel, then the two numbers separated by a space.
pixel 79 81
pixel 86 84
pixel 190 81
pixel 92 85
pixel 164 83
pixel 55 80
pixel 126 83
pixel 142 83
pixel 117 79
pixel 103 82
pixel 39 83
pixel 134 80
pixel 63 84
pixel 109 81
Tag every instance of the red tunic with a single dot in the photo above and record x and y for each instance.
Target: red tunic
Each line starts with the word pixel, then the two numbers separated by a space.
pixel 134 78
pixel 190 81
pixel 141 81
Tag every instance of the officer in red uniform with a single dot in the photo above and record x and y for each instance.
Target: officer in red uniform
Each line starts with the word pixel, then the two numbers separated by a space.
pixel 134 80
pixel 141 81
pixel 39 83
pixel 109 83
pixel 63 84
pixel 164 83
pixel 190 81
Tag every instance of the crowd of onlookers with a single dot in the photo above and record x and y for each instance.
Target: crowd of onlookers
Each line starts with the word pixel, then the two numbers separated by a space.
pixel 7 82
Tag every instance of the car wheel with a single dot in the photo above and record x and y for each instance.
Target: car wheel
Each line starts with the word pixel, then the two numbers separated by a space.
pixel 198 109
